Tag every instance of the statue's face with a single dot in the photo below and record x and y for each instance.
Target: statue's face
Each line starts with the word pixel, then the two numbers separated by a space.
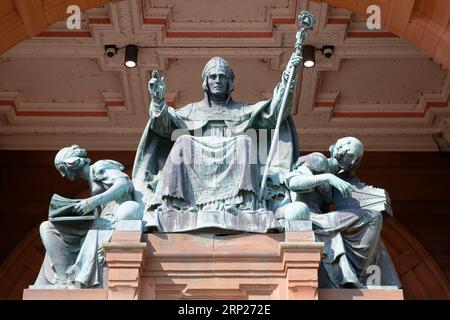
pixel 67 172
pixel 347 152
pixel 218 83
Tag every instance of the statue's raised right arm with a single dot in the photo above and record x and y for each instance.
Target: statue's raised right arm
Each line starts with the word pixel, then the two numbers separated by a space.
pixel 265 113
pixel 162 117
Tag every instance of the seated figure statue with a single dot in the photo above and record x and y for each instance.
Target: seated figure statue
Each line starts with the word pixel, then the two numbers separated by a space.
pixel 196 167
pixel 350 236
pixel 296 207
pixel 77 228
pixel 346 156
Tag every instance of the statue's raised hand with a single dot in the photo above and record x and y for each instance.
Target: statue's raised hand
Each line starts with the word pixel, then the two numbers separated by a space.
pixel 294 61
pixel 344 187
pixel 157 87
pixel 292 64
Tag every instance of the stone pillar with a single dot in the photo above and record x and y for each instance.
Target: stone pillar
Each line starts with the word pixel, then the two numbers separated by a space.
pixel 125 257
pixel 301 260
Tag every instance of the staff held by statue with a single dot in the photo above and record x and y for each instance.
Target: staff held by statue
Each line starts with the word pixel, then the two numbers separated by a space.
pixel 307 21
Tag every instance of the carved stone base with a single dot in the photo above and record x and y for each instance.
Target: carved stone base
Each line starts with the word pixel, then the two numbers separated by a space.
pixel 65 294
pixel 124 256
pixel 360 294
pixel 247 266
pixel 207 266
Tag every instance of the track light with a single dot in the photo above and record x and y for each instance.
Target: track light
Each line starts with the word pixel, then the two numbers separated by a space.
pixel 131 55
pixel 308 56
pixel 309 59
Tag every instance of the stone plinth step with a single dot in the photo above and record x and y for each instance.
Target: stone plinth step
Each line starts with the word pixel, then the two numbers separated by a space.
pixel 361 294
pixel 65 294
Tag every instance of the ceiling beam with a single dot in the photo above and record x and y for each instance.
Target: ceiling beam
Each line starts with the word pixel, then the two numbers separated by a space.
pixel 32 14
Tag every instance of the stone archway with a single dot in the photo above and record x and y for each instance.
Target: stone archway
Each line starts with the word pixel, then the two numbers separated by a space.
pixel 422 22
pixel 420 276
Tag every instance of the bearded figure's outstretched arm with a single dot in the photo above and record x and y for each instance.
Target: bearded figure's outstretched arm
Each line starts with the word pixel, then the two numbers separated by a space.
pixel 162 117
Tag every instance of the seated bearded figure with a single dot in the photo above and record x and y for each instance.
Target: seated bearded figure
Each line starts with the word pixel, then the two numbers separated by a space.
pixel 197 166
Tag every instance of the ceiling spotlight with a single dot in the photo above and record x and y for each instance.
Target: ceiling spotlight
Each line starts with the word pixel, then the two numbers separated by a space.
pixel 131 55
pixel 110 50
pixel 327 51
pixel 308 56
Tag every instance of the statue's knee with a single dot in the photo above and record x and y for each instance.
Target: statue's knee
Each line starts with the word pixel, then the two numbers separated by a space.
pixel 376 218
pixel 181 145
pixel 47 231
pixel 129 210
pixel 45 228
pixel 297 211
pixel 183 139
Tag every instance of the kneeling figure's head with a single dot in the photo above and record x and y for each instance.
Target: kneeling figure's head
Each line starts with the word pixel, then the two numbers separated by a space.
pixel 70 161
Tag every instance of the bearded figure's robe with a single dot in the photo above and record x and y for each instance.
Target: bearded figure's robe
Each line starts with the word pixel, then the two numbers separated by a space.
pixel 199 166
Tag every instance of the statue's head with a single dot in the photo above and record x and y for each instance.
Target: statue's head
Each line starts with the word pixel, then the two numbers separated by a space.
pixel 218 77
pixel 70 160
pixel 316 162
pixel 348 153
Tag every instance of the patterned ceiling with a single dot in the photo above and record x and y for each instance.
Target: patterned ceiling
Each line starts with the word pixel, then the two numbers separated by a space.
pixel 60 88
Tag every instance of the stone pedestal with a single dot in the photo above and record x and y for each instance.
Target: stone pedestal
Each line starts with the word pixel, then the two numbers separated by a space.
pixel 65 294
pixel 361 294
pixel 124 257
pixel 250 266
pixel 205 266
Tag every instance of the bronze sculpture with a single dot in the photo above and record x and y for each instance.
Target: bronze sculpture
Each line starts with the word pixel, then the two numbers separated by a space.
pixel 199 168
pixel 73 237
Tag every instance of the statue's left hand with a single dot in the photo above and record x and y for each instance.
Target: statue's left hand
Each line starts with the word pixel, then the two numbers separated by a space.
pixel 293 62
pixel 157 87
pixel 84 207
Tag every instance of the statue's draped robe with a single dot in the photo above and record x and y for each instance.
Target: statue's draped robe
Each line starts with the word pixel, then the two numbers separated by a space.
pixel 183 195
pixel 77 244
pixel 381 259
pixel 351 237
